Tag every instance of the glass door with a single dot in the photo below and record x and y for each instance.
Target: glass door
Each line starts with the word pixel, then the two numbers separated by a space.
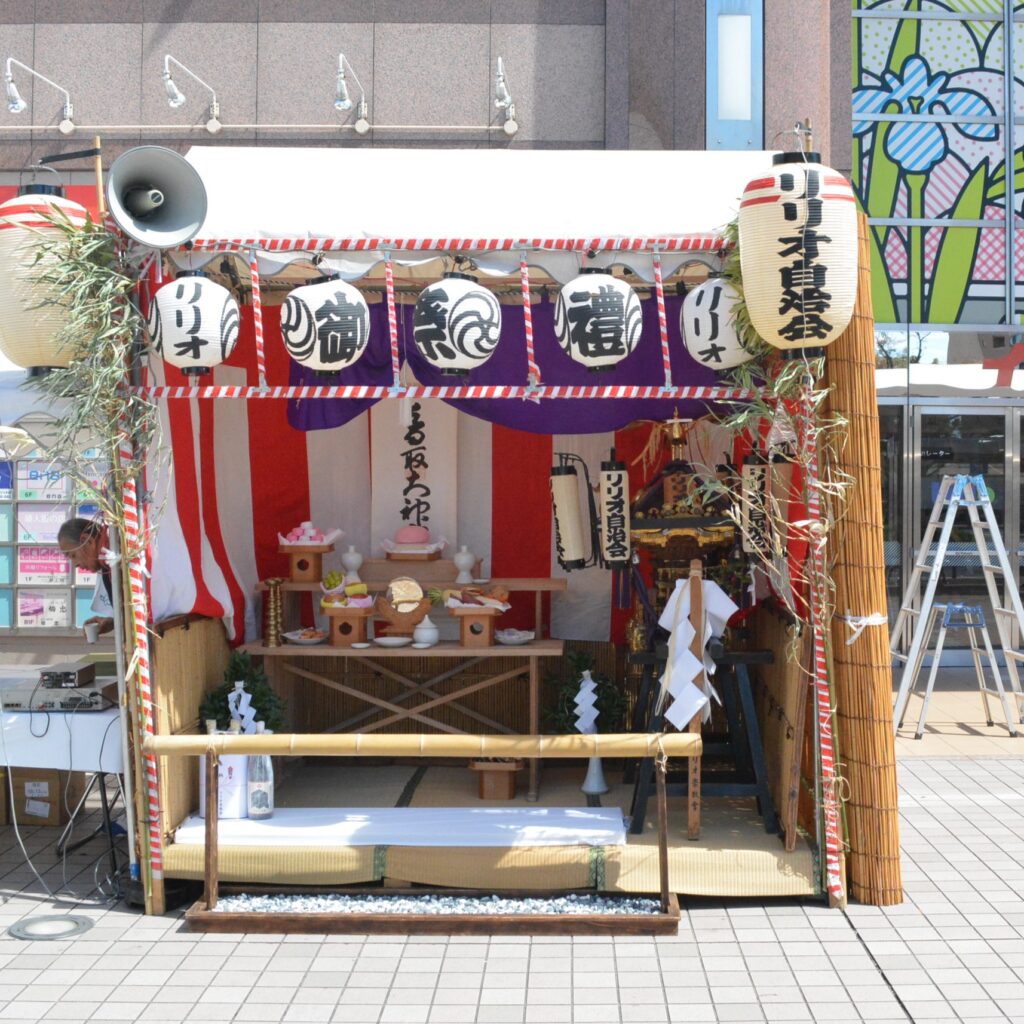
pixel 956 439
pixel 892 421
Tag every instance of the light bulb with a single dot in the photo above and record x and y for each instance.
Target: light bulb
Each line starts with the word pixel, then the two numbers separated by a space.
pixel 175 97
pixel 15 104
pixel 342 100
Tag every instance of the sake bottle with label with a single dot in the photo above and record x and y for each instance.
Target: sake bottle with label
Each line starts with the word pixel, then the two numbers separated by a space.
pixel 261 783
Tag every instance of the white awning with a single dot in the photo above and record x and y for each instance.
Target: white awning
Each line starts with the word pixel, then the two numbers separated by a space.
pixel 433 194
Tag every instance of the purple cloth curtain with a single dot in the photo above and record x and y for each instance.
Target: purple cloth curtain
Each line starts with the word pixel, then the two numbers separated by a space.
pixel 508 366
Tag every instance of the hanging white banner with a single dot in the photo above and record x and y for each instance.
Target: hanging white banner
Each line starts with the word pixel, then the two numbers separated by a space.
pixel 414 458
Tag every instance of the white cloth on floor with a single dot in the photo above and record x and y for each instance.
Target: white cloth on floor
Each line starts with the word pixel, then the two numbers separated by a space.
pixel 418 826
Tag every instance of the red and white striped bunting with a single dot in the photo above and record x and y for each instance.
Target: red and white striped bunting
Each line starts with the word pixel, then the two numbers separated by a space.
pixel 257 316
pixel 676 243
pixel 449 392
pixel 532 369
pixel 659 292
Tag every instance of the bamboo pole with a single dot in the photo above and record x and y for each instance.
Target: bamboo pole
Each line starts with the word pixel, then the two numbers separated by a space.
pixel 863 669
pixel 626 744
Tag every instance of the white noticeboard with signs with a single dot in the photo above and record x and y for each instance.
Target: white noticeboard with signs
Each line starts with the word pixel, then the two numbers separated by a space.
pixel 44 608
pixel 42 481
pixel 46 565
pixel 38 524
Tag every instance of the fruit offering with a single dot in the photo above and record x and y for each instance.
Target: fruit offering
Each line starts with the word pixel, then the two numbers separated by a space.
pixel 333 580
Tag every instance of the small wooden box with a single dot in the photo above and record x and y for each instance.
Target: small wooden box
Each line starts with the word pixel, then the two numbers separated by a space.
pixel 348 625
pixel 497 779
pixel 307 561
pixel 476 625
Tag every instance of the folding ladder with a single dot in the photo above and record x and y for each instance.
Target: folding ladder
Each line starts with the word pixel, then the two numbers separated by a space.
pixel 956 492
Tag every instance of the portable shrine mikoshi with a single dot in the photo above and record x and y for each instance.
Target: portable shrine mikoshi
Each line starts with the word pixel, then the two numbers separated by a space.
pixel 357 692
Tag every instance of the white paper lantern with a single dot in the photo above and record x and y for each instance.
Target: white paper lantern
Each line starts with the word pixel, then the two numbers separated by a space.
pixel 457 324
pixel 565 500
pixel 325 325
pixel 30 321
pixel 798 252
pixel 708 325
pixel 193 323
pixel 598 319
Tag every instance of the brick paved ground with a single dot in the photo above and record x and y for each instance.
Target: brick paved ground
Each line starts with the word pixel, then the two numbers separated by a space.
pixel 953 951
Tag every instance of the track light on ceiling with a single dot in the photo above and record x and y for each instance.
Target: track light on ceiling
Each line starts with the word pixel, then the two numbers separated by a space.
pixel 503 99
pixel 176 98
pixel 342 99
pixel 15 103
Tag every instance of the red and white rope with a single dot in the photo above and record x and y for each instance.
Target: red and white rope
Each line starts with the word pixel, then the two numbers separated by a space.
pixel 668 243
pixel 389 283
pixel 819 626
pixel 659 292
pixel 450 392
pixel 135 552
pixel 532 369
pixel 257 322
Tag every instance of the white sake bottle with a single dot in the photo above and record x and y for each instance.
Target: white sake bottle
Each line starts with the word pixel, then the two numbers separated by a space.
pixel 260 783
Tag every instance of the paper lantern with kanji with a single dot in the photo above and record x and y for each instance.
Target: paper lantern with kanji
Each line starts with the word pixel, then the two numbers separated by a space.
pixel 457 324
pixel 193 323
pixel 325 325
pixel 707 323
pixel 31 318
pixel 798 252
pixel 598 319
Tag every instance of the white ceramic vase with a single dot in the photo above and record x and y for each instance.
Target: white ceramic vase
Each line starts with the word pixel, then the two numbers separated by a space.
pixel 464 560
pixel 426 632
pixel 352 561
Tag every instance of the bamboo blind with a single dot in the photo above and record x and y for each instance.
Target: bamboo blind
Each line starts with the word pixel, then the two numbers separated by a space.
pixel 863 669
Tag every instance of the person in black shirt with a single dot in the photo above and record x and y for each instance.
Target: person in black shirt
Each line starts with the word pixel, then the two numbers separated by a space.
pixel 82 541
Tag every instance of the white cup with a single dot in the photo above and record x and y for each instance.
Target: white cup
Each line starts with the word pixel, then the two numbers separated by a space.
pixel 92 632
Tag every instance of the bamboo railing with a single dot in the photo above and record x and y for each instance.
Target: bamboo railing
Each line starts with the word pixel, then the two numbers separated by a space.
pixel 863 669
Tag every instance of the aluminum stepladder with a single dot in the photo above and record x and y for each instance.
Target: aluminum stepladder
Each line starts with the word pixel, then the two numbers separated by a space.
pixel 956 492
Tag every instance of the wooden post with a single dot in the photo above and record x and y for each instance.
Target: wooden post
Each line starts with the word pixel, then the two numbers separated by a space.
pixel 697 650
pixel 659 772
pixel 212 800
pixel 863 670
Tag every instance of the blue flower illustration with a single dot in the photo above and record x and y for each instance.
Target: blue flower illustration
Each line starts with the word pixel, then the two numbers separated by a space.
pixel 918 147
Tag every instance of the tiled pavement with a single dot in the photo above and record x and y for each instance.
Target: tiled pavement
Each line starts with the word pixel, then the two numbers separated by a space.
pixel 953 951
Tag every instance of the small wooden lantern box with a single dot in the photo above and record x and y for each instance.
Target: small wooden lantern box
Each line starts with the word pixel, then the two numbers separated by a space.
pixel 348 625
pixel 497 779
pixel 476 625
pixel 307 561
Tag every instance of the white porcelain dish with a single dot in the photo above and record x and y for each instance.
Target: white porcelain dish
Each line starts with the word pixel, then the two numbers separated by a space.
pixel 514 637
pixel 361 646
pixel 392 641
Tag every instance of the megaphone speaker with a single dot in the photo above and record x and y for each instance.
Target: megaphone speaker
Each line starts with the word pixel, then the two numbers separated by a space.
pixel 156 196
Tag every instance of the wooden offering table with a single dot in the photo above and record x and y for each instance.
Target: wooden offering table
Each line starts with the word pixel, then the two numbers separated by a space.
pixel 418 674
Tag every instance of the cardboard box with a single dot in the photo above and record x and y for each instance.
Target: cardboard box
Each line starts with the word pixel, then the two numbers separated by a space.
pixel 42 796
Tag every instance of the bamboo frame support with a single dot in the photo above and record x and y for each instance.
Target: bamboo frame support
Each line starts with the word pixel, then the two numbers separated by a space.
pixel 862 670
pixel 627 744
pixel 210 875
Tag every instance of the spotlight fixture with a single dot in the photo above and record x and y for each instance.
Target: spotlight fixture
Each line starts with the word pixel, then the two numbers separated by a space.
pixel 176 98
pixel 342 99
pixel 15 103
pixel 503 100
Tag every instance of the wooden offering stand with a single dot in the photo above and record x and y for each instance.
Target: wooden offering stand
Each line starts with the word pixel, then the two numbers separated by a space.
pixel 348 625
pixel 497 778
pixel 307 561
pixel 476 625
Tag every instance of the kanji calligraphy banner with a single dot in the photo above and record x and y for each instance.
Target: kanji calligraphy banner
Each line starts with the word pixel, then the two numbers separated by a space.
pixel 414 468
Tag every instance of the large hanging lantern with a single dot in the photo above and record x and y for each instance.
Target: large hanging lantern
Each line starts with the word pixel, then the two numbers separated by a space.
pixel 30 319
pixel 457 324
pixel 565 499
pixel 708 325
pixel 798 252
pixel 325 325
pixel 613 509
pixel 598 319
pixel 193 323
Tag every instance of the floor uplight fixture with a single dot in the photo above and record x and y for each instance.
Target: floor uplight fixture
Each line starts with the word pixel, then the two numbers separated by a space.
pixel 176 98
pixel 342 99
pixel 15 103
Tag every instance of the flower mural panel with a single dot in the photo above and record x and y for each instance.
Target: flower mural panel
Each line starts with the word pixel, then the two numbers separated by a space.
pixel 924 169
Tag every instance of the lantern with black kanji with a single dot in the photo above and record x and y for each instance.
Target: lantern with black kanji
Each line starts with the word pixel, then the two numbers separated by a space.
pixel 707 323
pixel 798 252
pixel 325 325
pixel 193 323
pixel 31 315
pixel 457 324
pixel 598 319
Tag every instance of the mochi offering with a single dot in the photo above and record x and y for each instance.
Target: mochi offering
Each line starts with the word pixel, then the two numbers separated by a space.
pixel 307 535
pixel 413 542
